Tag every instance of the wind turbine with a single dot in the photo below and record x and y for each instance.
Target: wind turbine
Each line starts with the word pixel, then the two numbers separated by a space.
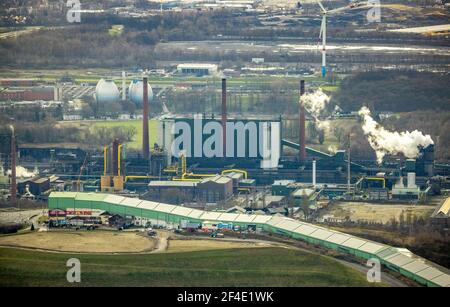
pixel 323 28
pixel 323 35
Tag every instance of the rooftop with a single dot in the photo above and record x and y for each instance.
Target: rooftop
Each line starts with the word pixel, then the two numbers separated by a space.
pixel 282 182
pixel 443 210
pixel 218 179
pixel 172 184
pixel 197 65
pixel 301 192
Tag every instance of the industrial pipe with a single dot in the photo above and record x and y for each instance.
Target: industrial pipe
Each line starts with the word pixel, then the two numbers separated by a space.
pixel 105 160
pixel 236 171
pixel 118 159
pixel 143 177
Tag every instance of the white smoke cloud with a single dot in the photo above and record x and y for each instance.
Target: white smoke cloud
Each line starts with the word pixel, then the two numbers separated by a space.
pixel 387 142
pixel 22 172
pixel 315 103
pixel 332 149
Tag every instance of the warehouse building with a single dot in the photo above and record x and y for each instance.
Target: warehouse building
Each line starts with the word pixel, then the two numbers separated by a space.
pixel 197 69
pixel 185 190
pixel 28 94
pixel 395 259
pixel 37 186
pixel 210 190
pixel 283 187
pixel 215 189
pixel 441 216
pixel 303 195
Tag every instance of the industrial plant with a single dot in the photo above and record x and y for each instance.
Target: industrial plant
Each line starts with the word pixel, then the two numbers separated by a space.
pixel 216 166
pixel 221 126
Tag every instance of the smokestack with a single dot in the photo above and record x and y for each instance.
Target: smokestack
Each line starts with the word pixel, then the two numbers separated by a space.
pixel 314 173
pixel 412 181
pixel 13 190
pixel 56 92
pixel 145 137
pixel 302 149
pixel 224 116
pixel 124 90
pixel 115 162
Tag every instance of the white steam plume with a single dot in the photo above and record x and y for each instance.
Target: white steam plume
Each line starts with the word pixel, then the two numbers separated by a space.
pixel 22 172
pixel 315 103
pixel 387 142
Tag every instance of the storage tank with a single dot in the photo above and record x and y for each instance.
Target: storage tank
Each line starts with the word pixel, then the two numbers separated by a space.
pixel 135 92
pixel 106 92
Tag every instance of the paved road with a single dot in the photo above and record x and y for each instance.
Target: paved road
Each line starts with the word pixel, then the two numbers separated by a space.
pixel 162 241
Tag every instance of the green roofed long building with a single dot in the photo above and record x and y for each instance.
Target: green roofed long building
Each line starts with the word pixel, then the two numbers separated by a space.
pixel 395 259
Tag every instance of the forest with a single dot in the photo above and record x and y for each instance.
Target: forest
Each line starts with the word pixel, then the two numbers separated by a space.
pixel 395 91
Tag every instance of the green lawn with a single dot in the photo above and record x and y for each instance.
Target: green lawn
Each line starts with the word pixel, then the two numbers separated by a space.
pixel 137 141
pixel 237 267
pixel 93 75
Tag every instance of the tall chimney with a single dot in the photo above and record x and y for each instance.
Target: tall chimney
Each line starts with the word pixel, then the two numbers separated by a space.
pixel 56 92
pixel 412 181
pixel 302 149
pixel 124 90
pixel 314 173
pixel 114 158
pixel 13 190
pixel 224 116
pixel 145 136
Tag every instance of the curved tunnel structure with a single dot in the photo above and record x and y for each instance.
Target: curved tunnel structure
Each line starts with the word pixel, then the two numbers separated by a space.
pixel 396 259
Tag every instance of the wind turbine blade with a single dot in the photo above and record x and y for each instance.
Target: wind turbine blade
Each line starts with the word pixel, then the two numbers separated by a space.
pixel 321 6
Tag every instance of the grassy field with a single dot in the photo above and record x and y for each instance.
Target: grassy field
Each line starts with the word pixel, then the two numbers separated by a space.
pixel 236 267
pixel 93 75
pixel 377 213
pixel 176 246
pixel 137 141
pixel 86 242
pixel 137 124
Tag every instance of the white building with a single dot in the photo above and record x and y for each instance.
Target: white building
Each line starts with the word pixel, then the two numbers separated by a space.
pixel 198 69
